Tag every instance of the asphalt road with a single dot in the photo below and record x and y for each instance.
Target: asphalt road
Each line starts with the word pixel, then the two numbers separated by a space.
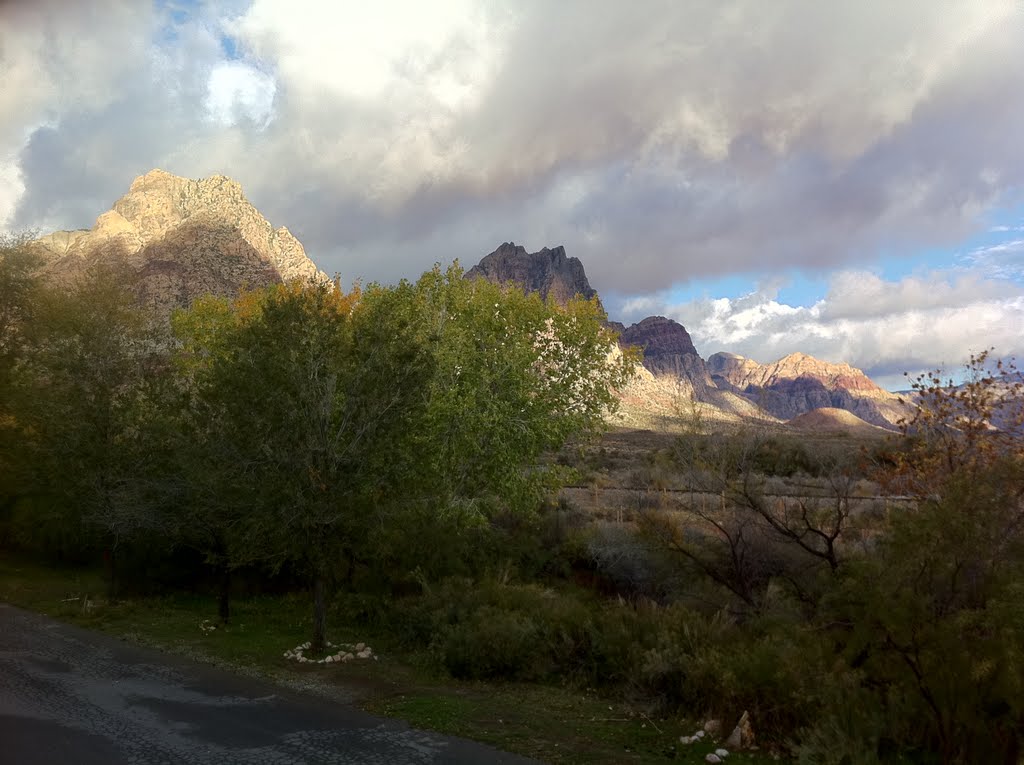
pixel 73 697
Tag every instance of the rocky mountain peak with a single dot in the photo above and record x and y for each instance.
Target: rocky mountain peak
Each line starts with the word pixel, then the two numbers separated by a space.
pixel 659 337
pixel 830 374
pixel 184 238
pixel 669 352
pixel 731 370
pixel 548 272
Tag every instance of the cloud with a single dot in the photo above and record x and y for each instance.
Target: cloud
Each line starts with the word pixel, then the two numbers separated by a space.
pixel 238 92
pixel 688 141
pixel 127 102
pixel 1002 260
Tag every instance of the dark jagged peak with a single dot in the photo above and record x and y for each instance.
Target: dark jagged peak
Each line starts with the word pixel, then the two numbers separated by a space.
pixel 549 272
pixel 658 337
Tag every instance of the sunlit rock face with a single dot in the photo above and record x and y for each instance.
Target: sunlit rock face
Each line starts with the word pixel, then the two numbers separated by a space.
pixel 800 383
pixel 179 239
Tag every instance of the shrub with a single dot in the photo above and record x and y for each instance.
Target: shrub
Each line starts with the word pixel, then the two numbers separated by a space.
pixel 490 644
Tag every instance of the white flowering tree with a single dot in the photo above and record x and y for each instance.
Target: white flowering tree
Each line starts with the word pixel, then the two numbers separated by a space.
pixel 513 377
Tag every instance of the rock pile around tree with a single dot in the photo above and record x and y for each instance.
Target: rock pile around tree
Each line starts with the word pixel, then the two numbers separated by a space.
pixel 346 652
pixel 742 737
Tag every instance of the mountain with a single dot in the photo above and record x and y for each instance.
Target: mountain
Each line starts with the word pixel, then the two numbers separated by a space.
pixel 549 273
pixel 800 383
pixel 670 355
pixel 182 238
pixel 669 351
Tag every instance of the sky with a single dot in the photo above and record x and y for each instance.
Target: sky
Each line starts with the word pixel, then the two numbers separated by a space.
pixel 840 178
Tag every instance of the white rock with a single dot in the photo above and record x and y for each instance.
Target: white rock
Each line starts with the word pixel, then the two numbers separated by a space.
pixel 360 646
pixel 328 660
pixel 685 740
pixel 712 758
pixel 723 753
pixel 699 734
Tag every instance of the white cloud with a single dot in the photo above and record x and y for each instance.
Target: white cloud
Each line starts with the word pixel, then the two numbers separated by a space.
pixel 11 189
pixel 1003 260
pixel 237 91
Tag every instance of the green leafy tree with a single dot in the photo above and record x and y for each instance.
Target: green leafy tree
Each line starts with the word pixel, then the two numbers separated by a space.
pixel 210 492
pixel 19 281
pixel 86 387
pixel 19 287
pixel 513 378
pixel 293 416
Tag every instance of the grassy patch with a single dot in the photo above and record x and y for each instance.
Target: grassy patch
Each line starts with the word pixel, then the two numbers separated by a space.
pixel 557 725
pixel 552 724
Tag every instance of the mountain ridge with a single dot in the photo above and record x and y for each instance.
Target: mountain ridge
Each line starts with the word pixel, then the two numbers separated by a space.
pixel 799 383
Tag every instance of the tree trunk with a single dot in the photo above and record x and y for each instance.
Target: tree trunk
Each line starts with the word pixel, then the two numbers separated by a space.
pixel 111 555
pixel 350 568
pixel 224 605
pixel 319 643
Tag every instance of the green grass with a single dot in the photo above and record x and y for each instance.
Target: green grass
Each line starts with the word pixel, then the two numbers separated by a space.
pixel 556 725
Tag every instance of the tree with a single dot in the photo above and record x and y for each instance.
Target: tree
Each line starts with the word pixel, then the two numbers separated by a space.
pixel 19 286
pixel 87 386
pixel 957 429
pixel 738 532
pixel 512 378
pixel 19 281
pixel 271 382
pixel 213 493
pixel 931 621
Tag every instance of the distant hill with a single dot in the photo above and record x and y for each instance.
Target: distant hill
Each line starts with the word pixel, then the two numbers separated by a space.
pixel 671 357
pixel 832 420
pixel 182 238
